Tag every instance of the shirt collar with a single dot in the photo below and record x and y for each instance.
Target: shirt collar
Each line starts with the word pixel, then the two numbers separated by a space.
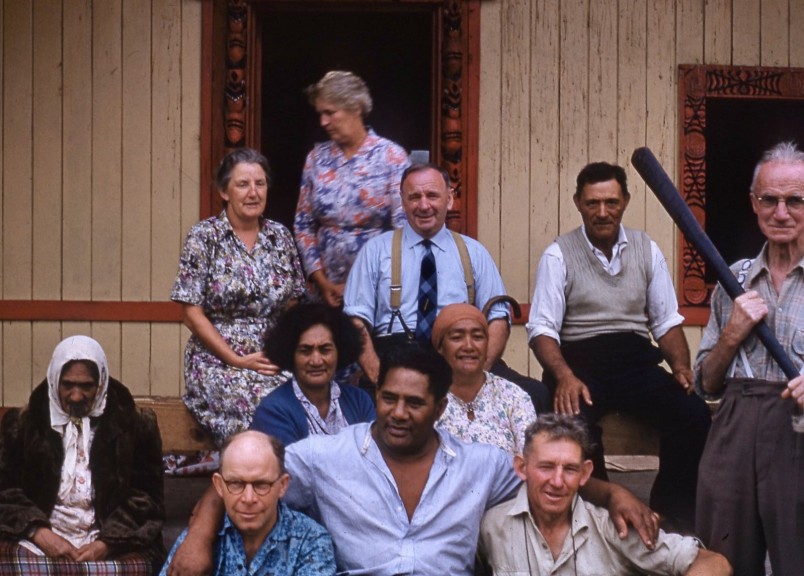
pixel 520 505
pixel 411 238
pixel 443 444
pixel 369 142
pixel 334 392
pixel 759 266
pixel 225 228
pixel 622 240
pixel 278 533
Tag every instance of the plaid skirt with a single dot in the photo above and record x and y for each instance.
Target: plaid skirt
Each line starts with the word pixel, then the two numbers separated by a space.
pixel 14 559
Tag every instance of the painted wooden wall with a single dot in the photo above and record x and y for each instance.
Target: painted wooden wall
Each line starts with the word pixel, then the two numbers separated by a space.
pixel 99 133
pixel 100 151
pixel 567 82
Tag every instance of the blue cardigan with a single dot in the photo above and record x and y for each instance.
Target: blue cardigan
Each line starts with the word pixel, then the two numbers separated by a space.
pixel 281 415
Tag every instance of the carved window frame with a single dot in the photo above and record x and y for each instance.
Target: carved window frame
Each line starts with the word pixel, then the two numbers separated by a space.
pixel 231 59
pixel 697 84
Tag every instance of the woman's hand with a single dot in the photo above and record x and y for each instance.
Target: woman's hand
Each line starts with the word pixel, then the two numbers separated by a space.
pixel 53 545
pixel 259 363
pixel 203 329
pixel 92 552
pixel 331 293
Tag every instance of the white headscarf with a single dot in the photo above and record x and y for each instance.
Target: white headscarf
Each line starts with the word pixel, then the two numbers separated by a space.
pixel 75 348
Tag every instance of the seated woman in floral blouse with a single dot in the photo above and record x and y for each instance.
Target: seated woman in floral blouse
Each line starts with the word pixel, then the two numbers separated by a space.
pixel 482 407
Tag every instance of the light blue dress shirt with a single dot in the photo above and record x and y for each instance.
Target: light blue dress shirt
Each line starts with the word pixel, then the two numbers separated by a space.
pixel 296 546
pixel 368 289
pixel 344 482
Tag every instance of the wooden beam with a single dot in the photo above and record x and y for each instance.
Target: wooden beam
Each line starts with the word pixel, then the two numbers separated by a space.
pixel 81 310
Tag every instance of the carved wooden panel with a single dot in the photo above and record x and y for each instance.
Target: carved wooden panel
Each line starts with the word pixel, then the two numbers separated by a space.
pixel 697 85
pixel 456 81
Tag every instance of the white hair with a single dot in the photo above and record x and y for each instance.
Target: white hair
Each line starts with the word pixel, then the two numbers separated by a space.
pixel 782 153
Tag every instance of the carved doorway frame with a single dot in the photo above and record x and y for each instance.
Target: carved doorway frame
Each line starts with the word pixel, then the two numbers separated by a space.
pixel 230 77
pixel 697 84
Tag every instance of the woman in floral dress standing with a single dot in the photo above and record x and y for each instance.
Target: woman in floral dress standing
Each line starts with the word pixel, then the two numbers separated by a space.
pixel 350 185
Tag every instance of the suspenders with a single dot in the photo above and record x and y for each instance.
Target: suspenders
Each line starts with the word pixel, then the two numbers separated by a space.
pixel 396 272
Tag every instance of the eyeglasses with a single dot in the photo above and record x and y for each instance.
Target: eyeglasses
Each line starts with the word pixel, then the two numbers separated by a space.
pixel 769 201
pixel 260 487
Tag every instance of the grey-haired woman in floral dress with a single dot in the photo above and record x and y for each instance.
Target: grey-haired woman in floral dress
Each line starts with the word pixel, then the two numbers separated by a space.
pixel 238 272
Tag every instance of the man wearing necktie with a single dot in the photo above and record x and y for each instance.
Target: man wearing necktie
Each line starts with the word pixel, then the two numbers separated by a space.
pixel 432 275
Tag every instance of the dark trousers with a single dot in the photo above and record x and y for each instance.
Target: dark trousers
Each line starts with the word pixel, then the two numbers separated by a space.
pixel 623 374
pixel 751 486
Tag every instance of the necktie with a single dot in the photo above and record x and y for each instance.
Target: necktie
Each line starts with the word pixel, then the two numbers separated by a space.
pixel 428 295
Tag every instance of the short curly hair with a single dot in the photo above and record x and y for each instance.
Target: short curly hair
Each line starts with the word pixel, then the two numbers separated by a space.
pixel 343 89
pixel 281 342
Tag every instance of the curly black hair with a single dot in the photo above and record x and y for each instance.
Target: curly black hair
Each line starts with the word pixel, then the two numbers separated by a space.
pixel 281 342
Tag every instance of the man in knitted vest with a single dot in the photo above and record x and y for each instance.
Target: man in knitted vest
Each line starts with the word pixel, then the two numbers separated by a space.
pixel 602 291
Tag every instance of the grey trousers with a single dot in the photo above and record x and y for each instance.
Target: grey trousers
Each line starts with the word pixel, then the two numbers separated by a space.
pixel 751 481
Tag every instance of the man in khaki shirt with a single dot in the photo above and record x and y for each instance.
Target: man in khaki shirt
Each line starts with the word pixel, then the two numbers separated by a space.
pixel 548 529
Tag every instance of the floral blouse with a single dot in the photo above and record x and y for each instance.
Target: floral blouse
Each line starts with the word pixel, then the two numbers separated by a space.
pixel 502 412
pixel 343 202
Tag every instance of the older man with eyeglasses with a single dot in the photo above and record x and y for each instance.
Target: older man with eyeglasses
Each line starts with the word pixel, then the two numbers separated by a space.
pixel 261 536
pixel 751 478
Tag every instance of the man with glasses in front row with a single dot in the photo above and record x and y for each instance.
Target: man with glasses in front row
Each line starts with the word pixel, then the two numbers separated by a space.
pixel 260 534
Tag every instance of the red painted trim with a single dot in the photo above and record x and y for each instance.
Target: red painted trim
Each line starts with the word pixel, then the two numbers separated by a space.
pixel 694 315
pixel 472 115
pixel 83 311
pixel 207 48
pixel 524 318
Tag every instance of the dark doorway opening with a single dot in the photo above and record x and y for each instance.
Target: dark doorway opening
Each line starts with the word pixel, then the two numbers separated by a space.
pixel 738 131
pixel 391 47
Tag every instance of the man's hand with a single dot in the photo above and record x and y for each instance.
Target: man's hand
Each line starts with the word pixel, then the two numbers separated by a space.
pixel 795 390
pixel 53 545
pixel 626 509
pixel 92 552
pixel 684 377
pixel 568 392
pixel 192 558
pixel 748 311
pixel 368 359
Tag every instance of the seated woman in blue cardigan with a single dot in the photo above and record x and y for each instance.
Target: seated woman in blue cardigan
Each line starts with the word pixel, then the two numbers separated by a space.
pixel 312 341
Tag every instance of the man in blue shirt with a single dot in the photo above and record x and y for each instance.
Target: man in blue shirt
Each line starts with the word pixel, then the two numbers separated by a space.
pixel 261 536
pixel 397 495
pixel 461 262
pixel 426 199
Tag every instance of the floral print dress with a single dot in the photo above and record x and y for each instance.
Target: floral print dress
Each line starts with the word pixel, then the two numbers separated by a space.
pixel 242 294
pixel 344 202
pixel 501 412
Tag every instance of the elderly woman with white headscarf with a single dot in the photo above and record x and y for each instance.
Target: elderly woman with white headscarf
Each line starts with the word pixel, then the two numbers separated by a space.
pixel 80 466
